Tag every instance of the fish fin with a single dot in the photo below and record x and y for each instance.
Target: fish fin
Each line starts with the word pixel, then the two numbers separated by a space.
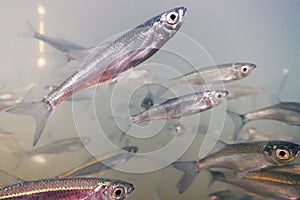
pixel 39 110
pixel 222 143
pixel 190 173
pixel 35 32
pixel 297 123
pixel 214 176
pixel 125 125
pixel 239 121
pixel 8 179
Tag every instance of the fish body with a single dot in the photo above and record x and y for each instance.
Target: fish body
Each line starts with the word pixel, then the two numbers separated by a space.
pixel 93 166
pixel 292 168
pixel 241 157
pixel 217 74
pixel 277 185
pixel 236 92
pixel 287 112
pixel 227 195
pixel 148 100
pixel 71 49
pixel 68 189
pixel 181 106
pixel 65 145
pixel 105 63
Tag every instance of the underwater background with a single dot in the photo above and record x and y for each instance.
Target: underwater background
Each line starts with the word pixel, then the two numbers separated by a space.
pixel 214 32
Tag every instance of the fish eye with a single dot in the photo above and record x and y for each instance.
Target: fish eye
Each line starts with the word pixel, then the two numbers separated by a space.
pixel 218 95
pixel 172 18
pixel 118 192
pixel 282 154
pixel 245 69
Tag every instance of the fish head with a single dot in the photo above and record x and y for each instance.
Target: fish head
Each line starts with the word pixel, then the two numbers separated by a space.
pixel 169 22
pixel 242 70
pixel 116 190
pixel 282 152
pixel 211 98
pixel 217 96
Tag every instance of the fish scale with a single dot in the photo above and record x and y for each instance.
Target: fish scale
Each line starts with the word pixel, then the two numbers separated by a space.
pixel 67 188
pixel 105 63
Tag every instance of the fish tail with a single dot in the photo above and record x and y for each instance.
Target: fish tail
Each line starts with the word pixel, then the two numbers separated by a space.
pixel 215 175
pixel 39 110
pixel 239 122
pixel 125 124
pixel 35 32
pixel 190 173
pixel 8 179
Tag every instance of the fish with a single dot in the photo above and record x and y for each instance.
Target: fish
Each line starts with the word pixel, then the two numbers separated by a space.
pixel 73 51
pixel 181 106
pixel 248 156
pixel 286 112
pixel 227 195
pixel 148 100
pixel 217 74
pixel 96 165
pixel 105 63
pixel 252 134
pixel 56 147
pixel 269 184
pixel 236 92
pixel 9 99
pixel 67 188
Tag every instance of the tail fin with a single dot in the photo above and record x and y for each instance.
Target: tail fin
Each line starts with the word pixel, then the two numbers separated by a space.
pixel 215 175
pixel 39 110
pixel 190 173
pixel 238 120
pixel 35 32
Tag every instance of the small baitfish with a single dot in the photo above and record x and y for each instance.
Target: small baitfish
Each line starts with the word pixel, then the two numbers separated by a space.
pixel 181 106
pixel 268 184
pixel 287 112
pixel 68 189
pixel 71 49
pixel 106 62
pixel 236 92
pixel 217 74
pixel 96 165
pixel 241 157
pixel 227 195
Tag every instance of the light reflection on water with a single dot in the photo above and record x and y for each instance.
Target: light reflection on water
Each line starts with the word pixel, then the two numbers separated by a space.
pixel 229 32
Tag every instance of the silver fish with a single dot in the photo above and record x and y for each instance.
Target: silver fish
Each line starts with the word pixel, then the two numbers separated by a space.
pixel 270 184
pixel 238 92
pixel 181 106
pixel 227 195
pixel 287 112
pixel 66 188
pixel 240 157
pixel 105 63
pixel 73 51
pixel 222 73
pixel 148 100
pixel 56 147
pixel 96 165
